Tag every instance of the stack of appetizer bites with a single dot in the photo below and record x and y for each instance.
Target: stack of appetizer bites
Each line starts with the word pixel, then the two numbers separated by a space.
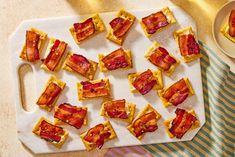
pixel 229 28
pixel 142 82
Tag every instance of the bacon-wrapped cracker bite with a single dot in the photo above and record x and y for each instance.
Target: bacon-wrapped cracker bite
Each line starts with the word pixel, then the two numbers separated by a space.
pixel 34 42
pixel 87 28
pixel 81 65
pixel 184 121
pixel 55 52
pixel 157 21
pixel 50 93
pixel 176 93
pixel 93 89
pixel 229 28
pixel 51 133
pixel 160 57
pixel 98 135
pixel 120 26
pixel 145 121
pixel 189 48
pixel 118 59
pixel 72 115
pixel 118 109
pixel 145 81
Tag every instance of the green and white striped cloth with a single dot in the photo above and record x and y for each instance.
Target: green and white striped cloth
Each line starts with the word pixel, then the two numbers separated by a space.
pixel 217 136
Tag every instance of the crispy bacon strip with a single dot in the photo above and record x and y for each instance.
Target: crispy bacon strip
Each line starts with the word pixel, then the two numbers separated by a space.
pixel 79 64
pixel 49 132
pixel 32 40
pixel 84 30
pixel 72 115
pixel 232 23
pixel 154 22
pixel 188 45
pixel 49 95
pixel 177 93
pixel 116 109
pixel 97 135
pixel 182 123
pixel 91 90
pixel 55 55
pixel 162 59
pixel 146 123
pixel 144 82
pixel 120 26
pixel 115 60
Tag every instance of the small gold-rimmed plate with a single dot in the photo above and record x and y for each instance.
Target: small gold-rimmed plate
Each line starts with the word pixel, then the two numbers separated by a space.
pixel 221 18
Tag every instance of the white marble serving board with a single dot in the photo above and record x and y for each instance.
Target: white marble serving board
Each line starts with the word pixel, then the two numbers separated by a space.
pixel 138 43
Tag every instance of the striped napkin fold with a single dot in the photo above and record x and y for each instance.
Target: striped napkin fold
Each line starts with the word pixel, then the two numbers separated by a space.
pixel 217 136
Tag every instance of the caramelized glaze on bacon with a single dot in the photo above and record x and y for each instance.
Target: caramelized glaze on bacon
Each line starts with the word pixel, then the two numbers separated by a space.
pixel 162 59
pixel 144 82
pixel 32 40
pixel 154 22
pixel 177 93
pixel 49 132
pixel 72 115
pixel 120 26
pixel 84 30
pixel 97 135
pixel 79 64
pixel 182 123
pixel 55 55
pixel 232 23
pixel 116 109
pixel 146 123
pixel 188 45
pixel 91 90
pixel 115 60
pixel 49 95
